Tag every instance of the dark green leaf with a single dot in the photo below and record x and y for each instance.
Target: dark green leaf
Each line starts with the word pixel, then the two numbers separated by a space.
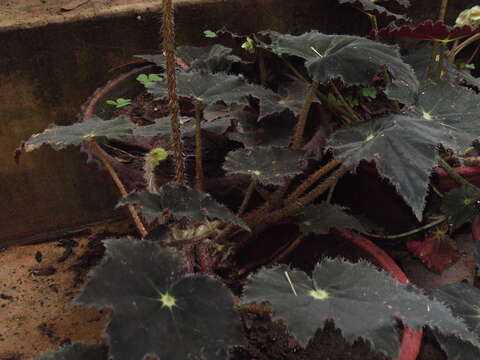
pixel 398 91
pixel 268 132
pixel 420 60
pixel 211 88
pixel 291 96
pixel 464 300
pixel 158 310
pixel 76 352
pixel 460 204
pixel 59 137
pixel 455 108
pixel 216 58
pixel 457 349
pixel 321 218
pixel 162 127
pixel 266 165
pixel 403 149
pixel 355 60
pixel 362 301
pixel 182 202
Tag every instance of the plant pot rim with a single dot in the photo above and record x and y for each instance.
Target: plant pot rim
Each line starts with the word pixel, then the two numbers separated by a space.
pixel 411 339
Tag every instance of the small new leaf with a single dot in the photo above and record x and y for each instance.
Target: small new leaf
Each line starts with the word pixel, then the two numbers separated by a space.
pixel 182 202
pixel 148 79
pixel 210 34
pixel 461 205
pixel 157 309
pixel 321 218
pixel 59 137
pixel 119 103
pixel 369 93
pixel 362 301
pixel 266 165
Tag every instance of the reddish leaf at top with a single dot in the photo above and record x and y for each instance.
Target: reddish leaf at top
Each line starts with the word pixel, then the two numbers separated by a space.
pixel 369 6
pixel 436 252
pixel 429 30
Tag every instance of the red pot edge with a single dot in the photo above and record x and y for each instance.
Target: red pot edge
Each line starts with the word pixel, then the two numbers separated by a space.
pixel 476 229
pixel 411 339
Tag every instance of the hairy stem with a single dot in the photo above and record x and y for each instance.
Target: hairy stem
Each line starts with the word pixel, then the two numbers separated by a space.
pixel 169 48
pixel 373 22
pixel 199 176
pixel 302 119
pixel 322 97
pixel 247 197
pixel 449 170
pixel 411 232
pixel 350 110
pixel 443 10
pixel 456 49
pixel 436 62
pixel 261 66
pixel 261 222
pixel 133 213
pixel 311 180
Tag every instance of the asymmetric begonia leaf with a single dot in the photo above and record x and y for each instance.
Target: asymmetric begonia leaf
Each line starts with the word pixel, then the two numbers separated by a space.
pixel 457 349
pixel 210 88
pixel 76 352
pixel 291 96
pixel 361 300
pixel 157 309
pixel 455 108
pixel 461 205
pixel 59 137
pixel 329 57
pixel 371 7
pixel 321 218
pixel 182 202
pixel 421 58
pixel 266 165
pixel 403 149
pixel 464 300
pixel 163 127
pixel 268 132
pixel 216 58
pixel 429 30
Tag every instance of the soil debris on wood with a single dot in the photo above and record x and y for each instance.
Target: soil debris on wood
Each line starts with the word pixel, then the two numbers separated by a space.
pixel 36 298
